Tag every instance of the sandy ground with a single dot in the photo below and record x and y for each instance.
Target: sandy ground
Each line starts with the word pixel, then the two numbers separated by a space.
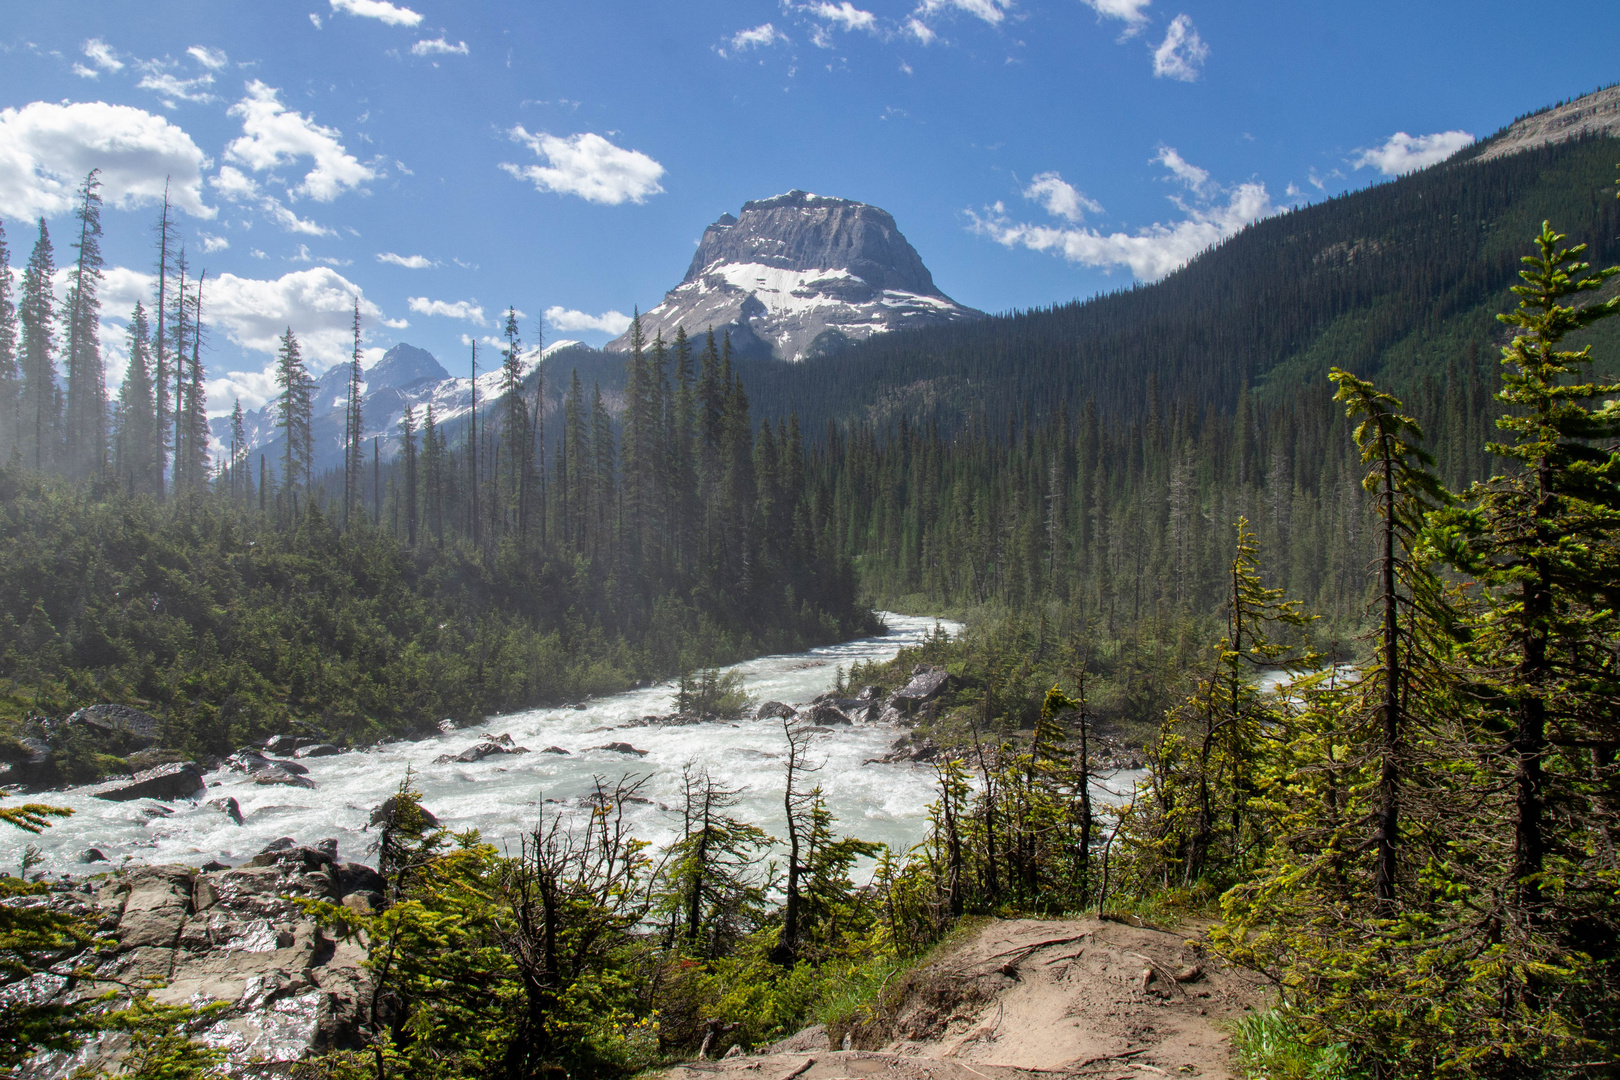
pixel 1031 997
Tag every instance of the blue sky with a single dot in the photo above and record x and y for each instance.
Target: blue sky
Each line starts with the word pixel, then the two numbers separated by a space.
pixel 442 161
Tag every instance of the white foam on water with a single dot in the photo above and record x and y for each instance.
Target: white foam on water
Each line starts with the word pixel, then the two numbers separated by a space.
pixel 501 796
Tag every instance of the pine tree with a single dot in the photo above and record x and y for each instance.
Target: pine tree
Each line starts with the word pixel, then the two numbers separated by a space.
pixel 238 451
pixel 194 417
pixel 85 423
pixel 41 401
pixel 161 344
pixel 293 407
pixel 180 322
pixel 475 520
pixel 136 418
pixel 10 374
pixel 515 430
pixel 354 451
pixel 407 434
pixel 433 475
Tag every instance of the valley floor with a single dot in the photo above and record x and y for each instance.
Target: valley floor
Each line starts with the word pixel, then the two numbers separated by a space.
pixel 1021 998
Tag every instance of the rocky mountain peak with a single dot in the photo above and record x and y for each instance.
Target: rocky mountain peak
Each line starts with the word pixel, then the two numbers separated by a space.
pixel 1597 113
pixel 799 274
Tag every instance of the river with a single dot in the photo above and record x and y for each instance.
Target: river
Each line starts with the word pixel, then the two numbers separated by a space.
pixel 502 795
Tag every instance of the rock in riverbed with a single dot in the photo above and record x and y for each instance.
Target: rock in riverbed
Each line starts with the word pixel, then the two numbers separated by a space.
pixel 181 780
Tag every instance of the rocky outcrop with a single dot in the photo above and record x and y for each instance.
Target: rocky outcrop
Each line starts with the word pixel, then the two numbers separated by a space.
pixel 317 750
pixel 125 727
pixel 927 683
pixel 775 710
pixel 235 936
pixel 622 748
pixel 166 782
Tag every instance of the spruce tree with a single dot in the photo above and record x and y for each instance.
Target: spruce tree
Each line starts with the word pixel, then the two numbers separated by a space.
pixel 293 407
pixel 41 401
pixel 161 344
pixel 136 420
pixel 407 435
pixel 10 374
pixel 354 456
pixel 194 417
pixel 515 429
pixel 85 422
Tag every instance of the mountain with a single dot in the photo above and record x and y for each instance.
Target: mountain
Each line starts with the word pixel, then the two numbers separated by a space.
pixel 799 276
pixel 1400 281
pixel 405 377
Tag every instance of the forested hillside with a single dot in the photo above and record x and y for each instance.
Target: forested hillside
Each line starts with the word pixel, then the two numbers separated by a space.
pixel 1397 280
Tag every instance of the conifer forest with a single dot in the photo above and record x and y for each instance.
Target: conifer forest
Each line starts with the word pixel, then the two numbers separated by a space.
pixel 1306 557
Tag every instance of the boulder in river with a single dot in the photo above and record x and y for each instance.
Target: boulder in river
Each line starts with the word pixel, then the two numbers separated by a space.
pixel 776 710
pixel 230 807
pixel 825 715
pixel 324 749
pixel 284 745
pixel 92 855
pixel 622 748
pixel 178 781
pixel 282 776
pixel 927 683
pixel 555 750
pixel 480 751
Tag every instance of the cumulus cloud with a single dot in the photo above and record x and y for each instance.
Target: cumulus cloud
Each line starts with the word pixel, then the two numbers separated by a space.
pixel 921 31
pixel 1195 178
pixel 318 303
pixel 1182 52
pixel 759 37
pixel 380 10
pixel 1404 153
pixel 1059 198
pixel 1148 253
pixel 233 184
pixel 991 11
pixel 438 46
pixel 47 149
pixel 844 14
pixel 212 243
pixel 409 262
pixel 567 319
pixel 172 88
pixel 102 55
pixel 1128 12
pixel 459 309
pixel 589 166
pixel 273 135
pixel 213 59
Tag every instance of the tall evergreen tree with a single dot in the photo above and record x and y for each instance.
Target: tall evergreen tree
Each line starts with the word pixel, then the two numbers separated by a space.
pixel 10 374
pixel 293 408
pixel 407 435
pixel 180 342
pixel 85 422
pixel 354 451
pixel 41 400
pixel 194 416
pixel 136 416
pixel 161 343
pixel 515 427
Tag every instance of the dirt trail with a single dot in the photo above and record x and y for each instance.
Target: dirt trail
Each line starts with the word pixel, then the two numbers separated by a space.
pixel 1029 997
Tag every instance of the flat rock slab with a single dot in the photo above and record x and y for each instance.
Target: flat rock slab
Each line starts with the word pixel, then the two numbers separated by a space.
pixel 180 780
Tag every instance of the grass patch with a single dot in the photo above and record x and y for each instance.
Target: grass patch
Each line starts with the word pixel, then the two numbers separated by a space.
pixel 1270 1046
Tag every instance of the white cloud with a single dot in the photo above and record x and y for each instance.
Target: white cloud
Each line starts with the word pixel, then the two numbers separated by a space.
pixel 291 221
pixel 991 11
pixel 1403 152
pixel 921 31
pixel 396 324
pixel 235 185
pixel 589 166
pixel 272 136
pixel 760 36
pixel 1195 178
pixel 47 149
pixel 377 9
pixel 567 319
pixel 212 243
pixel 845 14
pixel 1149 253
pixel 213 59
pixel 173 88
pixel 1181 53
pixel 437 46
pixel 1059 198
pixel 85 73
pixel 1128 12
pixel 102 55
pixel 317 303
pixel 459 309
pixel 409 262
pixel 316 19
